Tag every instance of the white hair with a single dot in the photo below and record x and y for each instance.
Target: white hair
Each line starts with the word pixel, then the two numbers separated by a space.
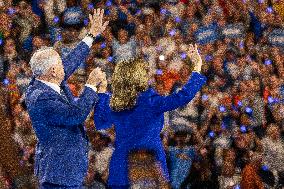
pixel 43 59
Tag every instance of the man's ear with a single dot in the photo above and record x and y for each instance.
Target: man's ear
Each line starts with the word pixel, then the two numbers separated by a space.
pixel 53 72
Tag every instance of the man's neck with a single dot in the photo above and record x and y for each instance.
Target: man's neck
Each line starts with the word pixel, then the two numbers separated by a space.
pixel 51 84
pixel 49 80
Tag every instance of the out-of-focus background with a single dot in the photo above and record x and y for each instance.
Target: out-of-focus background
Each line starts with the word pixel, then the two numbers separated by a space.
pixel 229 136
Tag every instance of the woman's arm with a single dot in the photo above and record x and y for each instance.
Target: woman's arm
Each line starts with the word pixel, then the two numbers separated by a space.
pixel 160 104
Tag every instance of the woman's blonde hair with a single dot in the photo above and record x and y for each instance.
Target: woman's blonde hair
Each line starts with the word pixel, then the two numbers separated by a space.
pixel 128 80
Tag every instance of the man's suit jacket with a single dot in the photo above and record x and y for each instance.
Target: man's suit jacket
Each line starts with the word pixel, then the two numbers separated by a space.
pixel 62 149
pixel 140 127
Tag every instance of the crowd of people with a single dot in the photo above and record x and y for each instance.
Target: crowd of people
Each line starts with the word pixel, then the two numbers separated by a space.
pixel 230 136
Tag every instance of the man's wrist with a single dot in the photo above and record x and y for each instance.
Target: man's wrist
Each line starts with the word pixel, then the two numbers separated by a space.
pixel 89 34
pixel 197 68
pixel 88 40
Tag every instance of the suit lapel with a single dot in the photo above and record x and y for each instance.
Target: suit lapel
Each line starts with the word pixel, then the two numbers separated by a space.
pixel 68 93
pixel 50 90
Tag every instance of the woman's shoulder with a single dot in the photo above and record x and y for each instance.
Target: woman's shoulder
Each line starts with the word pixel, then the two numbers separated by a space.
pixel 104 98
pixel 148 94
pixel 104 95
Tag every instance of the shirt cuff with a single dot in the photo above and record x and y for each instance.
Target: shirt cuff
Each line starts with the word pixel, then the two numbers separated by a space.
pixel 92 87
pixel 88 40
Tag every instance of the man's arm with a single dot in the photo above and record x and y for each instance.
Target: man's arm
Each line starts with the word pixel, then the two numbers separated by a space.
pixel 78 56
pixel 59 113
pixel 75 58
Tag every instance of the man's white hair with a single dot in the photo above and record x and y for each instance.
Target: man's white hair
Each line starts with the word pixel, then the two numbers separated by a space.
pixel 43 59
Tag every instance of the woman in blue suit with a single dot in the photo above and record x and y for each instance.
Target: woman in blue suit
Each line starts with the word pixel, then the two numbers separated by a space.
pixel 137 113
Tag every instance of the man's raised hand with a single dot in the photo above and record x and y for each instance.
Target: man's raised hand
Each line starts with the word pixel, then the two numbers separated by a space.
pixel 96 22
pixel 96 77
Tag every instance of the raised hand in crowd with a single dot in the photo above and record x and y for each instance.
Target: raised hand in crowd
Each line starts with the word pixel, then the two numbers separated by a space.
pixel 96 22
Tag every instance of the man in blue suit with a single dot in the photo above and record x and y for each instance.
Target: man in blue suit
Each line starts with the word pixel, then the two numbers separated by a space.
pixel 62 151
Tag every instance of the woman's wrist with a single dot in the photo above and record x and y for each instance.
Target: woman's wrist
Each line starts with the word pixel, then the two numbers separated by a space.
pixel 198 71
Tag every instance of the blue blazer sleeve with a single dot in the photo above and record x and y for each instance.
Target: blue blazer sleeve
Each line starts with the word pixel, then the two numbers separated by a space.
pixel 160 104
pixel 102 115
pixel 75 58
pixel 59 113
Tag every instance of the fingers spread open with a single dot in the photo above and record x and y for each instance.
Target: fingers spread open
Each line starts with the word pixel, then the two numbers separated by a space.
pixel 105 24
pixel 102 13
pixel 196 48
pixel 98 12
pixel 90 18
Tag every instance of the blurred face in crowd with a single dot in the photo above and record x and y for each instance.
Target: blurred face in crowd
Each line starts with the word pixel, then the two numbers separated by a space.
pixel 178 37
pixel 18 109
pixel 106 52
pixel 274 82
pixel 243 87
pixel 70 35
pixel 273 132
pixel 228 168
pixel 10 48
pixel 256 85
pixel 245 119
pixel 184 74
pixel 249 41
pixel 108 34
pixel 230 155
pixel 71 3
pixel 123 36
pixel 14 70
pixel 24 9
pixel 218 65
pixel 216 127
pixel 207 48
pixel 190 11
pixel 242 140
pixel 38 42
pixel 149 21
pixel 140 32
pixel 241 62
pixel 147 40
pixel 193 28
pixel 207 19
pixel 100 142
pixel 5 24
pixel 5 3
pixel 182 140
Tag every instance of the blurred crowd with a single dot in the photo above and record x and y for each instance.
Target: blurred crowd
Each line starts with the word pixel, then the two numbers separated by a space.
pixel 229 137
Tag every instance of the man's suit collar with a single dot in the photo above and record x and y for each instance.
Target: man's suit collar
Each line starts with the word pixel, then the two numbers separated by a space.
pixel 54 86
pixel 40 85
